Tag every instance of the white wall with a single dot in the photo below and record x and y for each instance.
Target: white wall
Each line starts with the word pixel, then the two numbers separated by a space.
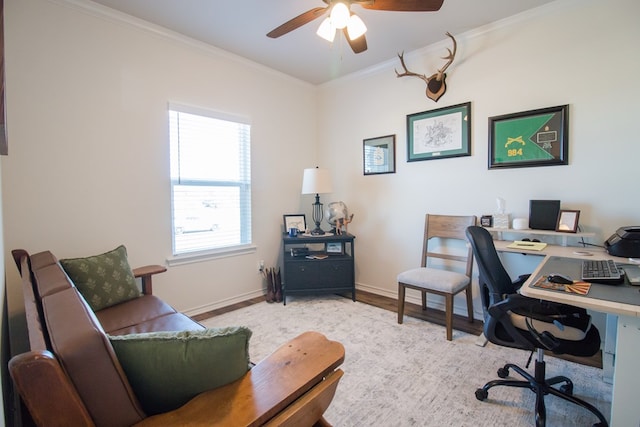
pixel 88 165
pixel 87 98
pixel 581 53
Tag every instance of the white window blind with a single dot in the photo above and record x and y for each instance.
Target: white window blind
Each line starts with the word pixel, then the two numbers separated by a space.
pixel 210 180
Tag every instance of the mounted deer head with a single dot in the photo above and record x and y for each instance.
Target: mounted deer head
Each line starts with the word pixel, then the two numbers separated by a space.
pixel 436 86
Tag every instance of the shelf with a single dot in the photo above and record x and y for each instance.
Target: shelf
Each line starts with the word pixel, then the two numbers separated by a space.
pixel 290 258
pixel 307 238
pixel 564 236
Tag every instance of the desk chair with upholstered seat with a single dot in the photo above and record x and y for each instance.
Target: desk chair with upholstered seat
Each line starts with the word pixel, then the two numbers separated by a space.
pixel 440 281
pixel 513 320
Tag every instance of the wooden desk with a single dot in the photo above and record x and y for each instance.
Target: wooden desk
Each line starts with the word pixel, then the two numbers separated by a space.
pixel 625 410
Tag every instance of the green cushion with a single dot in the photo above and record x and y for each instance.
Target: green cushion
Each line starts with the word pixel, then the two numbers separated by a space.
pixel 167 369
pixel 103 280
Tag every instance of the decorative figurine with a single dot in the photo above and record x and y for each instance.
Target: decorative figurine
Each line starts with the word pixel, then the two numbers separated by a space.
pixel 343 222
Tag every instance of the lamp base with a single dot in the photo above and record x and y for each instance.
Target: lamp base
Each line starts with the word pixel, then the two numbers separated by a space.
pixel 317 231
pixel 317 217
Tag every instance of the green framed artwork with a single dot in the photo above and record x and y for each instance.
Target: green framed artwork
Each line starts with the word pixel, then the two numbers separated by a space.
pixel 438 134
pixel 529 138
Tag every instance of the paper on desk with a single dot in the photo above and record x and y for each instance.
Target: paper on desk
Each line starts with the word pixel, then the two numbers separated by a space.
pixel 530 246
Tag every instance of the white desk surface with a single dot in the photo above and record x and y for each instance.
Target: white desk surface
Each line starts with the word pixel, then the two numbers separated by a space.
pixel 557 250
pixel 584 301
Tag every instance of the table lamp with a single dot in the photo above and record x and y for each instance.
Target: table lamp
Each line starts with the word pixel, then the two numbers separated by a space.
pixel 316 181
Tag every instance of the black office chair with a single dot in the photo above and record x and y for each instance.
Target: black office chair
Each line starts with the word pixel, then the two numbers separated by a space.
pixel 513 320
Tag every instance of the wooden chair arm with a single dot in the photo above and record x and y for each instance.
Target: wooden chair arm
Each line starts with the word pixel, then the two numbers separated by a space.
pixel 145 273
pixel 269 388
pixel 46 391
pixel 308 410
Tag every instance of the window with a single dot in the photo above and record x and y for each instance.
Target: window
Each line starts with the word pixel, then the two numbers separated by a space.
pixel 210 180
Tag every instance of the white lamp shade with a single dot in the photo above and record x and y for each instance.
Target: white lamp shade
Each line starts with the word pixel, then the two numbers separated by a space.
pixel 339 15
pixel 326 30
pixel 316 181
pixel 356 27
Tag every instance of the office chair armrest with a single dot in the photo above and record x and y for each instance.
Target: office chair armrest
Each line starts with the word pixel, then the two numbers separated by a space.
pixel 509 303
pixel 545 311
pixel 517 284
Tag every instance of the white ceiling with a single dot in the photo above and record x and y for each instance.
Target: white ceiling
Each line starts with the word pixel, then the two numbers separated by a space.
pixel 240 27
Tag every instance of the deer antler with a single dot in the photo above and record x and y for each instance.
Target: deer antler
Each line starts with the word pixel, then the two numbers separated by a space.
pixel 449 57
pixel 407 72
pixel 436 82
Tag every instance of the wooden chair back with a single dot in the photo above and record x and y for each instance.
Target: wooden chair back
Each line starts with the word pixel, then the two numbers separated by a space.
pixel 448 227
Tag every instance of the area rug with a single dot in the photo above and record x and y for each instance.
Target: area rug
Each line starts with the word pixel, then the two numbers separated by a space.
pixel 409 375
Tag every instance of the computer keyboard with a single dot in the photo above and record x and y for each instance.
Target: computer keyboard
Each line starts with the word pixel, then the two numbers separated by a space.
pixel 600 271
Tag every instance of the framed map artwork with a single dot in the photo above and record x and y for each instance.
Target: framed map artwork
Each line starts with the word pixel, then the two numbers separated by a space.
pixel 438 134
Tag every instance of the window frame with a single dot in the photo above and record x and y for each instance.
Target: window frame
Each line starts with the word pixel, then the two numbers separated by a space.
pixel 244 184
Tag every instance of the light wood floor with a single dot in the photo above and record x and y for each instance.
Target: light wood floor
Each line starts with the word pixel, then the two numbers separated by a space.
pixel 460 323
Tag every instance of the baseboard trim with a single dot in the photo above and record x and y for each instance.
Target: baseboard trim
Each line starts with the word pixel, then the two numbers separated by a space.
pixel 434 301
pixel 225 304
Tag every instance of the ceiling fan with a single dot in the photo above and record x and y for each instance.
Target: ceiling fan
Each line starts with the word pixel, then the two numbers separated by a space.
pixel 341 18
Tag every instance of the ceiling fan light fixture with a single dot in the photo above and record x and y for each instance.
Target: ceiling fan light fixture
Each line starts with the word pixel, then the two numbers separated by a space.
pixel 340 15
pixel 356 27
pixel 326 30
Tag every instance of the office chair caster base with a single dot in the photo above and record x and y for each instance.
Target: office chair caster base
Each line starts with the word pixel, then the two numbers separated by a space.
pixel 482 394
pixel 567 389
pixel 503 372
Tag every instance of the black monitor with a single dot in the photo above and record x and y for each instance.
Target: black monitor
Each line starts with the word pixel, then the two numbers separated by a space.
pixel 543 214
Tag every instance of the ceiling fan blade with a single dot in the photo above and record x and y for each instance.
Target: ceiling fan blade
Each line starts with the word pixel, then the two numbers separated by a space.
pixel 358 45
pixel 297 22
pixel 403 5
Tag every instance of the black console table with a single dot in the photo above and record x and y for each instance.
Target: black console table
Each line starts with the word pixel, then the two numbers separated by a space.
pixel 312 272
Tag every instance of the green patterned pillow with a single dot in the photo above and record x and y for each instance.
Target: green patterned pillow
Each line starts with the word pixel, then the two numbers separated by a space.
pixel 167 369
pixel 103 280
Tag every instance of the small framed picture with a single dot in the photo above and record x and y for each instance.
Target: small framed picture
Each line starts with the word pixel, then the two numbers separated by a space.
pixel 295 221
pixel 486 221
pixel 568 221
pixel 334 248
pixel 379 155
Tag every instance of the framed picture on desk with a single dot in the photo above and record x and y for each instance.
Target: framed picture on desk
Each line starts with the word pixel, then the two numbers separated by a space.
pixel 568 221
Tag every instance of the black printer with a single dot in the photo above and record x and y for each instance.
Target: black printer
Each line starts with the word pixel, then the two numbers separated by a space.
pixel 625 242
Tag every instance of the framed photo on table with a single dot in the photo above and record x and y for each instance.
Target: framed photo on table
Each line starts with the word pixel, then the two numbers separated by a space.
pixel 530 138
pixel 568 221
pixel 295 221
pixel 438 134
pixel 334 248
